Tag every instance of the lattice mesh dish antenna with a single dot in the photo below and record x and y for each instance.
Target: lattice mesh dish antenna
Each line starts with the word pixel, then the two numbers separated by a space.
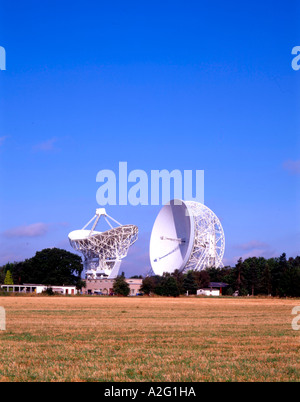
pixel 103 251
pixel 186 235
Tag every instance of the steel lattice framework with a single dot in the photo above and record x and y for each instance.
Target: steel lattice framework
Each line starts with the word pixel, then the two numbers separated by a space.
pixel 103 251
pixel 209 239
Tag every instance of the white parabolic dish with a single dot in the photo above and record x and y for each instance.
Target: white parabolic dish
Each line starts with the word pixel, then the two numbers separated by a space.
pixel 103 251
pixel 186 235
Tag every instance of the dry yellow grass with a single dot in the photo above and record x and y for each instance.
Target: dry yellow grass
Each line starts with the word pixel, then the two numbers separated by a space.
pixel 148 339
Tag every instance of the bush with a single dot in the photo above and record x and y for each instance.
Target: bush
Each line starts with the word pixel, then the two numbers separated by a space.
pixel 48 291
pixel 120 286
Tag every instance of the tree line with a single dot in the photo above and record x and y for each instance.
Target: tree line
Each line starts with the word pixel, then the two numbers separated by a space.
pixel 253 276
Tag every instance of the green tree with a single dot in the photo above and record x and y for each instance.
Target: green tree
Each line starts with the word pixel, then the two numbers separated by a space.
pixel 266 279
pixel 80 284
pixel 120 286
pixel 215 274
pixel 189 283
pixel 51 266
pixel 170 286
pixel 2 275
pixel 279 266
pixel 239 277
pixel 251 275
pixel 202 279
pixel 294 264
pixel 167 286
pixel 290 279
pixel 8 278
pixel 179 277
pixel 148 285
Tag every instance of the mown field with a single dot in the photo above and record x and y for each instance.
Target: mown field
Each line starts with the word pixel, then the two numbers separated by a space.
pixel 148 339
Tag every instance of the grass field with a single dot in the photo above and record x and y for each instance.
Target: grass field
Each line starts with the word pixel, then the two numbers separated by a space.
pixel 148 339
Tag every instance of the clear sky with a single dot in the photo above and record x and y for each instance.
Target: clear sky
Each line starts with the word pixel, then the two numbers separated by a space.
pixel 200 85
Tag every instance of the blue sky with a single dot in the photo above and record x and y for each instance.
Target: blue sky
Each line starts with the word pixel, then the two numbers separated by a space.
pixel 197 85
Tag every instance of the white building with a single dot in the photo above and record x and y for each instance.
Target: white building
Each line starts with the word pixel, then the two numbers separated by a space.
pixel 208 292
pixel 214 289
pixel 33 288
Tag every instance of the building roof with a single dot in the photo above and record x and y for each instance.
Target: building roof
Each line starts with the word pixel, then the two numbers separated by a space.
pixel 218 284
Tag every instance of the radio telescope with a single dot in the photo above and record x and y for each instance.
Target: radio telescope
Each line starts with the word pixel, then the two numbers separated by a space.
pixel 186 235
pixel 103 251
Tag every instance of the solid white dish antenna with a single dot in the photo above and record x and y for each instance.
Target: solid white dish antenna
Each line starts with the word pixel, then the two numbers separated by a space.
pixel 103 251
pixel 186 235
